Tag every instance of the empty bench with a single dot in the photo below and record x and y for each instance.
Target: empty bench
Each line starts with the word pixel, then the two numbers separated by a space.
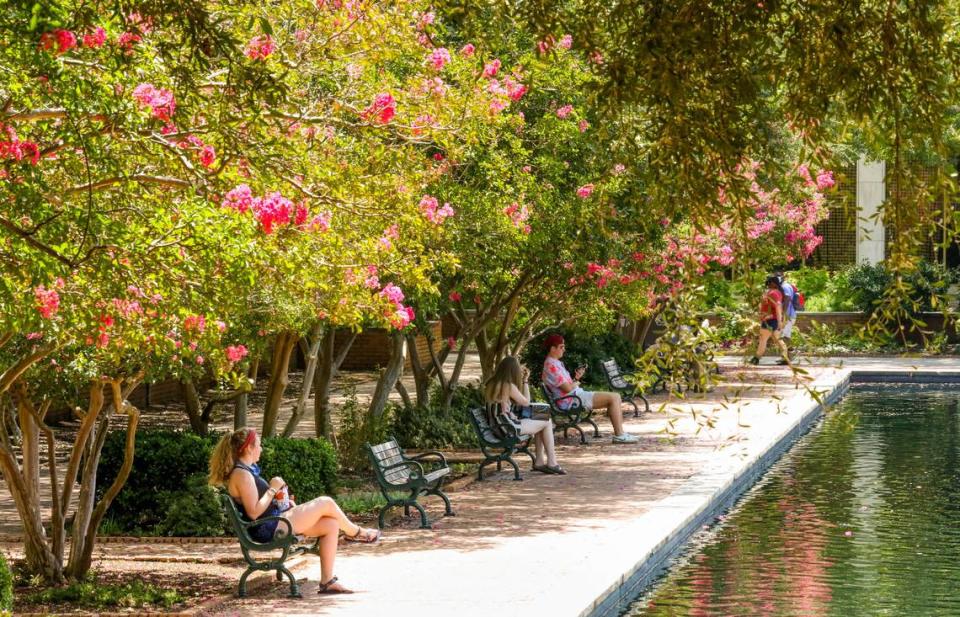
pixel 397 472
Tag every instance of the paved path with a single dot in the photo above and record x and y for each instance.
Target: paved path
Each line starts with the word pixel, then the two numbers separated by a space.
pixel 554 545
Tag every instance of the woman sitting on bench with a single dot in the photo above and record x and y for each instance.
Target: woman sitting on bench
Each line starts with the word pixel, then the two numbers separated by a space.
pixel 508 387
pixel 234 464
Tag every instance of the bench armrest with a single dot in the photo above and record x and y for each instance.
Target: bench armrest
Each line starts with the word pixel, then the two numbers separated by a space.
pixel 578 404
pixel 430 453
pixel 279 542
pixel 413 465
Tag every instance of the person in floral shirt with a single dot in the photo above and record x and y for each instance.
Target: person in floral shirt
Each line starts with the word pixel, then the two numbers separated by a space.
pixel 559 383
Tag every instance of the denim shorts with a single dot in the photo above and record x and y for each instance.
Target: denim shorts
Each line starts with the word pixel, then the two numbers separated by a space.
pixel 769 324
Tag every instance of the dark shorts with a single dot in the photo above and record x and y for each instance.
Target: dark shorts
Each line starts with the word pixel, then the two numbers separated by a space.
pixel 769 324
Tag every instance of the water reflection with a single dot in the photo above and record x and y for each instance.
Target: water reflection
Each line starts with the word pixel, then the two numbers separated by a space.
pixel 860 519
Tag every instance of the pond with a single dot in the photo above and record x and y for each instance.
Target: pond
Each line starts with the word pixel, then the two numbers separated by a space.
pixel 860 519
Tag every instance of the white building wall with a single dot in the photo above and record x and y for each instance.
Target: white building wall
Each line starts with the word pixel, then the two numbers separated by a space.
pixel 871 191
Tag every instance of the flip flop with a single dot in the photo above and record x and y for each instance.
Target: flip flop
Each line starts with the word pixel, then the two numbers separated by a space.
pixel 556 470
pixel 325 587
pixel 364 535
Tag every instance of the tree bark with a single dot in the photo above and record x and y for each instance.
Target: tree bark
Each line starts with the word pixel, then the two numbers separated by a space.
pixel 328 365
pixel 315 339
pixel 279 378
pixel 240 403
pixel 390 374
pixel 191 402
pixel 421 373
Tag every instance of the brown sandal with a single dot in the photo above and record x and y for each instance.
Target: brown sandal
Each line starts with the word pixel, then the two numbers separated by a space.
pixel 364 536
pixel 326 587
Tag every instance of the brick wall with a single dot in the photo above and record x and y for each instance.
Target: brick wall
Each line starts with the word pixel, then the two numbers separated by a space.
pixel 371 349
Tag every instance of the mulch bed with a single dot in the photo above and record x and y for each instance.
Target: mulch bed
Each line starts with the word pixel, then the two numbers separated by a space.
pixel 194 588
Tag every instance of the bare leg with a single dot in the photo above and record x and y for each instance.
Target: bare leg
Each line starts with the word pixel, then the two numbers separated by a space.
pixel 762 345
pixel 327 530
pixel 304 516
pixel 536 428
pixel 610 401
pixel 546 436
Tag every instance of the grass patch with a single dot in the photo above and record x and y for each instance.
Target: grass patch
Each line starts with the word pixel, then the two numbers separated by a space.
pixel 361 502
pixel 135 594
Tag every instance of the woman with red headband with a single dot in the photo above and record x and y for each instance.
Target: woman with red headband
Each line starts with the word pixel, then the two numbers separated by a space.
pixel 234 464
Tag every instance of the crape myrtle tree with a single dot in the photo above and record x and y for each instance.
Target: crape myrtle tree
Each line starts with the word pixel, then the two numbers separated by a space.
pixel 182 182
pixel 712 75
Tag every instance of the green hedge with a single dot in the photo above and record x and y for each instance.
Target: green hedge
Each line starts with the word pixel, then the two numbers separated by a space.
pixel 6 585
pixel 166 492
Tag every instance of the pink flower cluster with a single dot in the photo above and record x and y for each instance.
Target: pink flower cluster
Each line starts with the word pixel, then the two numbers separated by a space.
pixel 236 353
pixel 18 150
pixel 159 100
pixel 430 208
pixel 518 215
pixel 490 69
pixel 382 110
pixel 399 316
pixel 48 300
pixel 59 41
pixel 95 39
pixel 564 111
pixel 438 58
pixel 260 47
pixel 585 191
pixel 274 209
pixel 467 50
pixel 207 153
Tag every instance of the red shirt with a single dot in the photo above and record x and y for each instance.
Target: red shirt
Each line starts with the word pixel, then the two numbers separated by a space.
pixel 768 306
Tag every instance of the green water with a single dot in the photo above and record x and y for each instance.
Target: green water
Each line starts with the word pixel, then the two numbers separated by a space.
pixel 861 518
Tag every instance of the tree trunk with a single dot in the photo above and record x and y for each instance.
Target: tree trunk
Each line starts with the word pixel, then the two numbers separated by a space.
pixel 389 376
pixel 315 339
pixel 328 365
pixel 191 401
pixel 279 378
pixel 421 373
pixel 240 403
pixel 88 485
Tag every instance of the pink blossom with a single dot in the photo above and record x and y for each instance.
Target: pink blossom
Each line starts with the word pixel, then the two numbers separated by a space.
pixel 497 105
pixel 585 191
pixel 518 215
pixel 566 41
pixel 195 323
pixel 127 40
pixel 467 50
pixel 260 47
pixel 207 156
pixel 564 111
pixel 239 199
pixel 429 207
pixel 514 89
pixel 95 39
pixel 490 69
pixel 455 296
pixel 825 180
pixel 438 58
pixel 383 108
pixel 392 293
pixel 619 168
pixel 235 353
pixel 60 41
pixel 321 222
pixel 272 209
pixel 583 125
pixel 425 20
pixel 32 336
pixel 159 100
pixel 48 301
pixel 300 214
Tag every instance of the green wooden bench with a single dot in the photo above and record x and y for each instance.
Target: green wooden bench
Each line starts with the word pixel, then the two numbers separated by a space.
pixel 288 546
pixel 497 449
pixel 397 472
pixel 566 419
pixel 618 383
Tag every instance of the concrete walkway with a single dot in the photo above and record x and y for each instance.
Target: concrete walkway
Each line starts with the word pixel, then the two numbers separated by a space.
pixel 576 544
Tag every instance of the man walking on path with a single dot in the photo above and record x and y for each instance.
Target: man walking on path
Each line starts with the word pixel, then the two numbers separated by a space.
pixel 789 313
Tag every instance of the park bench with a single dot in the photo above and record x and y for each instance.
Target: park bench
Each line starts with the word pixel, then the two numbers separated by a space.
pixel 288 546
pixel 566 419
pixel 500 445
pixel 397 472
pixel 618 383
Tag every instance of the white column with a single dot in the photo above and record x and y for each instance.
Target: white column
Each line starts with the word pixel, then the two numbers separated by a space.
pixel 871 191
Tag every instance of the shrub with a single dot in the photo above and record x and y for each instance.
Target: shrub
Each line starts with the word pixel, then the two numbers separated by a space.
pixel 93 595
pixel 309 466
pixel 195 511
pixel 590 350
pixel 164 492
pixel 6 585
pixel 358 427
pixel 928 285
pixel 421 428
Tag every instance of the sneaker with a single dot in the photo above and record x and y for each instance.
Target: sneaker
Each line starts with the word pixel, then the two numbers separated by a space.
pixel 625 438
pixel 782 362
pixel 754 361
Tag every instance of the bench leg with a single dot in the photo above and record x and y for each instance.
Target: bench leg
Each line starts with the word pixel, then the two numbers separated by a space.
pixel 294 587
pixel 516 470
pixel 583 438
pixel 636 410
pixel 242 587
pixel 646 403
pixel 596 429
pixel 448 511
pixel 383 513
pixel 424 523
pixel 482 465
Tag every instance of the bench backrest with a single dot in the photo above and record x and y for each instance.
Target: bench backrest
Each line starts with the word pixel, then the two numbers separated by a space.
pixel 234 516
pixel 614 374
pixel 478 417
pixel 389 453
